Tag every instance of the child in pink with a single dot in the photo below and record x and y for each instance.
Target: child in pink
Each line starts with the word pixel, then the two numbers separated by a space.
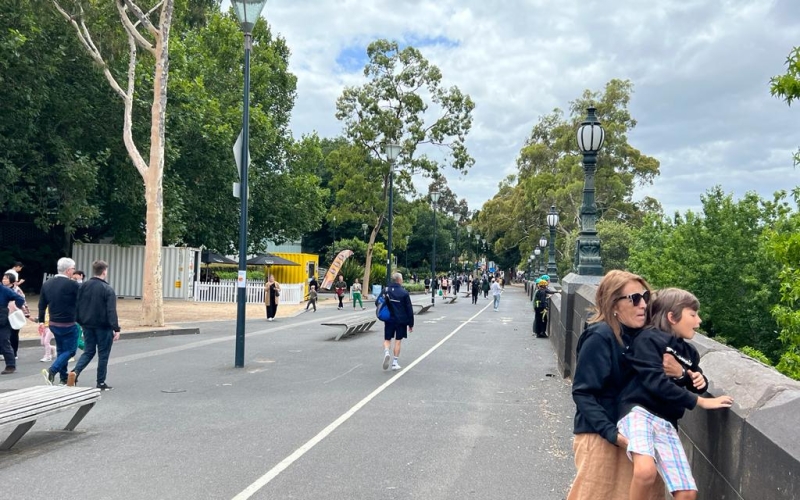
pixel 46 336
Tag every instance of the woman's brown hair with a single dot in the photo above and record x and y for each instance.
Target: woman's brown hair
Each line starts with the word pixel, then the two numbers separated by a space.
pixel 670 300
pixel 609 290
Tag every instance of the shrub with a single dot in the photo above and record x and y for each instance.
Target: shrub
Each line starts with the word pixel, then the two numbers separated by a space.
pixel 756 354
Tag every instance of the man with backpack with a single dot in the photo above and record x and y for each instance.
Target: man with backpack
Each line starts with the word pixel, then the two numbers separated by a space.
pixel 400 322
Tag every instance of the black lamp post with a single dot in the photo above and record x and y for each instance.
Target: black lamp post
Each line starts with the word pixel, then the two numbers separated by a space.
pixel 542 245
pixel 247 11
pixel 450 267
pixel 552 222
pixel 469 251
pixel 407 254
pixel 590 140
pixel 392 152
pixel 457 218
pixel 435 200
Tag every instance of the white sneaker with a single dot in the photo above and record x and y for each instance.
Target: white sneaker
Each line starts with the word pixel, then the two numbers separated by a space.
pixel 387 359
pixel 396 366
pixel 46 359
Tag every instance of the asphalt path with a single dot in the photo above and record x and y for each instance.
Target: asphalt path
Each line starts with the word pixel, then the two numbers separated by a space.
pixel 478 411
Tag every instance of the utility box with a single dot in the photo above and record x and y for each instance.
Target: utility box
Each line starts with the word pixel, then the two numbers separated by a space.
pixel 126 268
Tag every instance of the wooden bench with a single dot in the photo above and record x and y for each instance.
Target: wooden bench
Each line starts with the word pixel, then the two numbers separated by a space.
pixel 452 300
pixel 21 408
pixel 351 324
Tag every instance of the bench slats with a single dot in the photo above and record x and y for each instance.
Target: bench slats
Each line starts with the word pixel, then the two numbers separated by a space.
pixel 30 404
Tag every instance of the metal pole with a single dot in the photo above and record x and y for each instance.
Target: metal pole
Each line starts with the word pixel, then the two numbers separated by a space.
pixel 433 260
pixel 391 220
pixel 552 270
pixel 241 292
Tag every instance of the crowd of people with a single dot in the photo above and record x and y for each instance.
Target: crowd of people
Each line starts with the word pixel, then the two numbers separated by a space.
pixel 74 313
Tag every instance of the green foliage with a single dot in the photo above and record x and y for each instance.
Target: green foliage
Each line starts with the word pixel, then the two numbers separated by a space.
pixel 787 86
pixel 414 287
pixel 233 275
pixel 756 354
pixel 351 270
pixel 720 256
pixel 783 245
pixel 617 239
pixel 396 104
pixel 377 274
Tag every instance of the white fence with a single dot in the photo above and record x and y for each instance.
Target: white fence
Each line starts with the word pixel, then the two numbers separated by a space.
pixel 225 291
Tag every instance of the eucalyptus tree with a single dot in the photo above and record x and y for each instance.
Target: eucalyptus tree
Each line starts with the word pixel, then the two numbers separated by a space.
pixel 402 102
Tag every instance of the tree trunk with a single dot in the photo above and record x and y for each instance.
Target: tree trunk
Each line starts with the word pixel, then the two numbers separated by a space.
pixel 368 265
pixel 152 291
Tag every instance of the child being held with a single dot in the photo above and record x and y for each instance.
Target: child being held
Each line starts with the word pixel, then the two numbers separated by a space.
pixel 652 402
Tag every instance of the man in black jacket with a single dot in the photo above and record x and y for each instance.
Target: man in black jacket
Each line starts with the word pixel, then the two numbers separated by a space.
pixel 401 322
pixel 97 314
pixel 60 295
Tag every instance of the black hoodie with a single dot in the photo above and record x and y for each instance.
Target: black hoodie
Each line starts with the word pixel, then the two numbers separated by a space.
pixel 651 388
pixel 600 375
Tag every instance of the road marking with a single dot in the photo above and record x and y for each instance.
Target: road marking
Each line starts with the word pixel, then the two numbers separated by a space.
pixel 298 453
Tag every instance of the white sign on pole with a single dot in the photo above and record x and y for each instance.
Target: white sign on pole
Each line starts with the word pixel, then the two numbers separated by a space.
pixel 241 280
pixel 237 154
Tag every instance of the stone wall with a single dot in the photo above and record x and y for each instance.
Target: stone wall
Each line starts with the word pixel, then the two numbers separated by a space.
pixel 750 452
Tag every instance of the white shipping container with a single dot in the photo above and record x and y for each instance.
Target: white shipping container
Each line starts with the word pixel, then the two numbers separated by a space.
pixel 126 268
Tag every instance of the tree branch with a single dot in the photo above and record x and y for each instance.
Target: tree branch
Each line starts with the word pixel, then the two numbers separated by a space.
pixel 141 16
pixel 86 39
pixel 130 28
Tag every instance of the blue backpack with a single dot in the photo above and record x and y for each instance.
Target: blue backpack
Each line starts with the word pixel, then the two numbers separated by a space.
pixel 383 311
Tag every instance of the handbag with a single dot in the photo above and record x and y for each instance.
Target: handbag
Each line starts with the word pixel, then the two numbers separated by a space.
pixel 16 319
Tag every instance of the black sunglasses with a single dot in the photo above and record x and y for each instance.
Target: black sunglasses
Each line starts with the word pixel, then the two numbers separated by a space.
pixel 635 298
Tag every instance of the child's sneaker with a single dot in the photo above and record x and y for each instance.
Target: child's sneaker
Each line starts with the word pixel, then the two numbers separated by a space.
pixel 46 359
pixel 49 377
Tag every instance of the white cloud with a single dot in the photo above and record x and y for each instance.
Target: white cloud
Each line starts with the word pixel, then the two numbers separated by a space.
pixel 700 70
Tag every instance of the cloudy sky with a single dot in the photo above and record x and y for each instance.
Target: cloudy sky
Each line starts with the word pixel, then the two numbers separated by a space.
pixel 700 70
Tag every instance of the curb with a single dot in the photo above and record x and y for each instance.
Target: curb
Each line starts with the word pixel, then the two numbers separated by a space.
pixel 137 334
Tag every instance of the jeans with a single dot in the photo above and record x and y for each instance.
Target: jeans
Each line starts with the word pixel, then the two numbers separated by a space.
pixel 66 346
pixel 96 339
pixel 496 301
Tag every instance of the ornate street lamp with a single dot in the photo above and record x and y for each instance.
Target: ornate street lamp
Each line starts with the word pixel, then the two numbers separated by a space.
pixel 536 252
pixel 587 251
pixel 392 151
pixel 457 218
pixel 248 12
pixel 552 222
pixel 364 230
pixel 435 200
pixel 542 246
pixel 406 253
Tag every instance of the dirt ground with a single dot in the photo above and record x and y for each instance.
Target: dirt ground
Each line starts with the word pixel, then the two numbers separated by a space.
pixel 175 313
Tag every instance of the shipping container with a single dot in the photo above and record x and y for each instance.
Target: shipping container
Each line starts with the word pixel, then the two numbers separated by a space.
pixel 126 268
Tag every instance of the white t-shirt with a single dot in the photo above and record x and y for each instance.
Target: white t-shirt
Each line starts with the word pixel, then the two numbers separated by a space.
pixel 12 271
pixel 496 288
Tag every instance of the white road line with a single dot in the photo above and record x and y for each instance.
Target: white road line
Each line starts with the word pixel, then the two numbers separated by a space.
pixel 286 462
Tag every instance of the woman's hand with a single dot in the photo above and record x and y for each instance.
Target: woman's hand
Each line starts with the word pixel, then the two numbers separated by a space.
pixel 671 366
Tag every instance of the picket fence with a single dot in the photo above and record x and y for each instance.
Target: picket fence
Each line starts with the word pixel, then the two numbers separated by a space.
pixel 225 291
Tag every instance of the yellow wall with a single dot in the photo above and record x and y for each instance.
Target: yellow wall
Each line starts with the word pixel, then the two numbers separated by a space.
pixel 294 274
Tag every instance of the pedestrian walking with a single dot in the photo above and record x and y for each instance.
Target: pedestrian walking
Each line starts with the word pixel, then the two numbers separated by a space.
pixel 272 292
pixel 7 296
pixel 97 314
pixel 485 286
pixel 46 336
pixel 10 282
pixel 15 270
pixel 340 287
pixel 496 291
pixel 475 292
pixel 60 295
pixel 356 291
pixel 427 285
pixel 312 298
pixel 401 321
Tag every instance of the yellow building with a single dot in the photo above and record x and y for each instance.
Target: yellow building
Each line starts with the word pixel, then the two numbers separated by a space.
pixel 307 268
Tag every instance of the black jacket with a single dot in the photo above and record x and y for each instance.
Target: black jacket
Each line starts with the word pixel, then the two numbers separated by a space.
pixel 400 305
pixel 651 388
pixel 600 375
pixel 97 305
pixel 60 294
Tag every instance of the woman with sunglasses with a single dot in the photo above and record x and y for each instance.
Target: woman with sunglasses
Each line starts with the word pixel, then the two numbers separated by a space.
pixel 602 371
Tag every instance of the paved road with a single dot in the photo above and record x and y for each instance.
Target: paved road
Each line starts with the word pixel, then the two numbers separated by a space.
pixel 476 413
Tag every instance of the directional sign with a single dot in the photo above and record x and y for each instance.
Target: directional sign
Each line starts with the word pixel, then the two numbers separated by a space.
pixel 237 155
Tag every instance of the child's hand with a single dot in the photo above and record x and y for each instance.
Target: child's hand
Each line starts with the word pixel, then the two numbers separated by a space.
pixel 41 328
pixel 698 380
pixel 715 403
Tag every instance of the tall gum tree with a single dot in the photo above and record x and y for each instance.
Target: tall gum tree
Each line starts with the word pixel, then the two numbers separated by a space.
pixel 397 104
pixel 152 37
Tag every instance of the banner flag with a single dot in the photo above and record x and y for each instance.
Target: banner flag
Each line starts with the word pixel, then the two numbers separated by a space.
pixel 333 271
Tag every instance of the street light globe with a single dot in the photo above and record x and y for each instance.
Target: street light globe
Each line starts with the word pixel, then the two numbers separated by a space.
pixel 537 252
pixel 457 217
pixel 590 133
pixel 543 242
pixel 552 217
pixel 469 229
pixel 248 11
pixel 392 151
pixel 435 197
pixel 531 257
